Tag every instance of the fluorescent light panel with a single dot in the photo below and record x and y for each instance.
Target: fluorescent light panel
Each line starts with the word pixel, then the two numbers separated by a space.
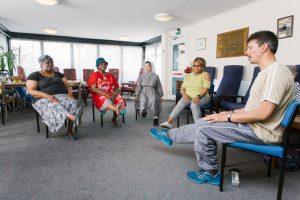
pixel 47 2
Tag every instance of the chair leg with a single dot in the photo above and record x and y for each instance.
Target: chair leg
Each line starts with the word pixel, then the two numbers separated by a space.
pixel 101 120
pixel 136 114
pixel 123 118
pixel 281 177
pixel 223 163
pixel 178 122
pixel 47 132
pixel 37 121
pixel 2 114
pixel 93 112
pixel 269 166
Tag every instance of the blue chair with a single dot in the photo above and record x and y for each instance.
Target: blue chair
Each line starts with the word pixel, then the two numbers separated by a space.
pixel 279 151
pixel 24 96
pixel 230 83
pixel 212 72
pixel 2 107
pixel 228 105
pixel 298 73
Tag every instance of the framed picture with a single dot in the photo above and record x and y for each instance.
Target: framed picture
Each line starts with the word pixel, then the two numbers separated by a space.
pixel 285 27
pixel 201 43
pixel 232 43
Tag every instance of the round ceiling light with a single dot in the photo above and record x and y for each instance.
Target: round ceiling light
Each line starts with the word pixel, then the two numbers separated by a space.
pixel 163 17
pixel 47 2
pixel 50 30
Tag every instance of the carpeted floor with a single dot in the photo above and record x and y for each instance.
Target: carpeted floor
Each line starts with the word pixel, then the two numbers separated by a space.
pixel 118 163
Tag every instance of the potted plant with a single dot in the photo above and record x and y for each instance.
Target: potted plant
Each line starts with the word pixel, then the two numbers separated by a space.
pixel 7 60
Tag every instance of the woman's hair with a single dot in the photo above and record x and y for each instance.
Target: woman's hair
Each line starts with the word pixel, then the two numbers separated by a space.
pixel 45 58
pixel 148 62
pixel 200 60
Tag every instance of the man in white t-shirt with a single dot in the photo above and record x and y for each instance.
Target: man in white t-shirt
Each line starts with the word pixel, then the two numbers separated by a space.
pixel 259 122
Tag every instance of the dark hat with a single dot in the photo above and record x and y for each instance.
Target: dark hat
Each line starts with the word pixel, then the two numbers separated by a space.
pixel 100 61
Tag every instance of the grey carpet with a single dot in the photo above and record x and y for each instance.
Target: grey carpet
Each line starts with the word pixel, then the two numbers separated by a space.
pixel 118 163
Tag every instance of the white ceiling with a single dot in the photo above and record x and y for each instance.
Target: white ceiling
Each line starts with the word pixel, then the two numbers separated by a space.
pixel 107 19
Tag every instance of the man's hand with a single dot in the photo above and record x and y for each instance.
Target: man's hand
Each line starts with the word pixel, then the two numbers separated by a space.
pixel 52 98
pixel 219 117
pixel 196 100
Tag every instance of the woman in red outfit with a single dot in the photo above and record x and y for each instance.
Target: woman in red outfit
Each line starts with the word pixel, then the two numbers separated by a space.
pixel 105 91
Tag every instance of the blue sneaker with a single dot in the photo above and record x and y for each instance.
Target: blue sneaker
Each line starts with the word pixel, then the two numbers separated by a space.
pixel 203 176
pixel 161 135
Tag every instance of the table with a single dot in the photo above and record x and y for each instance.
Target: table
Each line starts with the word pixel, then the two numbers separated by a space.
pixel 5 86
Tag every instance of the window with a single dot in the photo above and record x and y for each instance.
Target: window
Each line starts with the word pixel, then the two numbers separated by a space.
pixel 3 41
pixel 132 63
pixel 85 56
pixel 27 53
pixel 153 54
pixel 60 52
pixel 112 54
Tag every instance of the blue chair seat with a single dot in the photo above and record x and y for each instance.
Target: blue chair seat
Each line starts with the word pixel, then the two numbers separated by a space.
pixel 259 148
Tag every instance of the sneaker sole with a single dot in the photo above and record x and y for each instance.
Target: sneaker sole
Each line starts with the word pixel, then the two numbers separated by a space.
pixel 209 182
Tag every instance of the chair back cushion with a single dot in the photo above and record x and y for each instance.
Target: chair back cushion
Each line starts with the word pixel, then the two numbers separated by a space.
pixel 255 73
pixel 289 113
pixel 70 74
pixel 21 73
pixel 56 69
pixel 298 73
pixel 231 80
pixel 212 72
pixel 115 73
pixel 86 74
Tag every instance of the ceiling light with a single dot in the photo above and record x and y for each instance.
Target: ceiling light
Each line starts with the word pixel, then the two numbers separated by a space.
pixel 47 2
pixel 50 30
pixel 163 17
pixel 123 37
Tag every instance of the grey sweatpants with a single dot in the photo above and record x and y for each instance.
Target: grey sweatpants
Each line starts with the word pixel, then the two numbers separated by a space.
pixel 205 137
pixel 195 108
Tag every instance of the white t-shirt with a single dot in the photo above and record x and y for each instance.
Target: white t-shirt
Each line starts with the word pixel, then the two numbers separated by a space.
pixel 274 84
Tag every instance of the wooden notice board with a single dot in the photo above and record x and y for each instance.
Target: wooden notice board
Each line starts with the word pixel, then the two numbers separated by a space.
pixel 233 43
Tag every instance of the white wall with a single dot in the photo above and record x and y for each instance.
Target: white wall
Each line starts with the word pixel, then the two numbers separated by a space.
pixel 260 15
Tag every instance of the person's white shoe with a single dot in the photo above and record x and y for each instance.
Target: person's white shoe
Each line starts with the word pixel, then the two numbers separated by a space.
pixel 166 125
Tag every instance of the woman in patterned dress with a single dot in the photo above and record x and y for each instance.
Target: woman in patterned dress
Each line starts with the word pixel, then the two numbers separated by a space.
pixel 105 91
pixel 55 102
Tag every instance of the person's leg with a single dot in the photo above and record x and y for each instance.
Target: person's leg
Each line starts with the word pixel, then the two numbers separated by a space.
pixel 143 104
pixel 182 135
pixel 196 108
pixel 181 104
pixel 207 137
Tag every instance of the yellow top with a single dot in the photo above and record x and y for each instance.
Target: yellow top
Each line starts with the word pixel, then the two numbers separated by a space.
pixel 194 83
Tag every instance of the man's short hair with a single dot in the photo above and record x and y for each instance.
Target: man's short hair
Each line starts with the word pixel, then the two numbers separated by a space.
pixel 265 37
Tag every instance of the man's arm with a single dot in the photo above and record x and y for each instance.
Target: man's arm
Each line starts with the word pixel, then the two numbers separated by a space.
pixel 264 111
